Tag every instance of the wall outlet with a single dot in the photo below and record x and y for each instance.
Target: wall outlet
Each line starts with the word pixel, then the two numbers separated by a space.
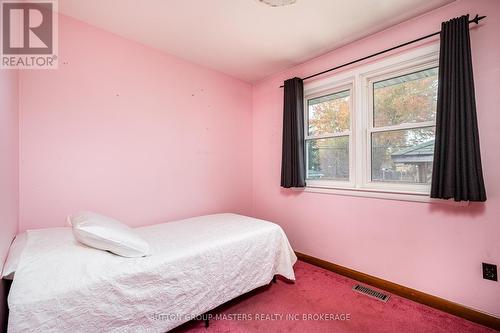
pixel 490 272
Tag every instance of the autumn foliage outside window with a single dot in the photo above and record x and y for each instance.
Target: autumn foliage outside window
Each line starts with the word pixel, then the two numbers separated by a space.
pixel 328 131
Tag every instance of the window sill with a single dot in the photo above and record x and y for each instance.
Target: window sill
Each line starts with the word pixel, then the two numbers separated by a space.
pixel 381 194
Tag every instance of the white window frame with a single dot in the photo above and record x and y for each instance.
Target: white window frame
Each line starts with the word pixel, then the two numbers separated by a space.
pixel 360 80
pixel 339 87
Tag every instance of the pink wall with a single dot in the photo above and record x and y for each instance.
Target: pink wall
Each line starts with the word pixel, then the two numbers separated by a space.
pixel 129 131
pixel 9 159
pixel 433 248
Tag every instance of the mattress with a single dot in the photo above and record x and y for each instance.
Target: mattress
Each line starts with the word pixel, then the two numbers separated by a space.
pixel 195 265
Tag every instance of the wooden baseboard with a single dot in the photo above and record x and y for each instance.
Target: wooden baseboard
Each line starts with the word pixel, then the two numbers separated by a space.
pixel 412 294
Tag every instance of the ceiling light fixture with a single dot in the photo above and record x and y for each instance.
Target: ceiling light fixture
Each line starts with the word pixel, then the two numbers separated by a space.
pixel 278 3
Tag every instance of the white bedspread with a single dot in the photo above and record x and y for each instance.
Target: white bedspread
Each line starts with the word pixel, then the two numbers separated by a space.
pixel 196 265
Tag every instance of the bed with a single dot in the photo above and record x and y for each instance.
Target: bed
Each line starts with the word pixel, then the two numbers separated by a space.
pixel 195 265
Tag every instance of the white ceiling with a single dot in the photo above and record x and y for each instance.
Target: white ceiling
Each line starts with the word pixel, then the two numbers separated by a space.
pixel 245 38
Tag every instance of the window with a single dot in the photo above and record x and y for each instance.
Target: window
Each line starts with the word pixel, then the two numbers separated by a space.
pixel 402 131
pixel 327 139
pixel 372 128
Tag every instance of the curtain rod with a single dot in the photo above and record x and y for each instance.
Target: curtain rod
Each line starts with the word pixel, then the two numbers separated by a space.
pixel 474 20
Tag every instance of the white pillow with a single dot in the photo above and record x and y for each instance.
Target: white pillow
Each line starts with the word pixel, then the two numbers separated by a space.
pixel 107 234
pixel 16 248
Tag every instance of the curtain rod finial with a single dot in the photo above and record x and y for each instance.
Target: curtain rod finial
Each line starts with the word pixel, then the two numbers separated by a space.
pixel 476 19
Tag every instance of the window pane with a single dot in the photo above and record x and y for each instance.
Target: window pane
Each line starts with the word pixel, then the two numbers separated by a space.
pixel 403 156
pixel 329 114
pixel 328 158
pixel 409 98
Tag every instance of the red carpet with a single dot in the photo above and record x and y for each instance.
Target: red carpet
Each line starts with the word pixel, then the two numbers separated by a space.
pixel 318 291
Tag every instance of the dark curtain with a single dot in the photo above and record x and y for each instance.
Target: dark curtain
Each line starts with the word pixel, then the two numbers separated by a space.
pixel 293 173
pixel 457 171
